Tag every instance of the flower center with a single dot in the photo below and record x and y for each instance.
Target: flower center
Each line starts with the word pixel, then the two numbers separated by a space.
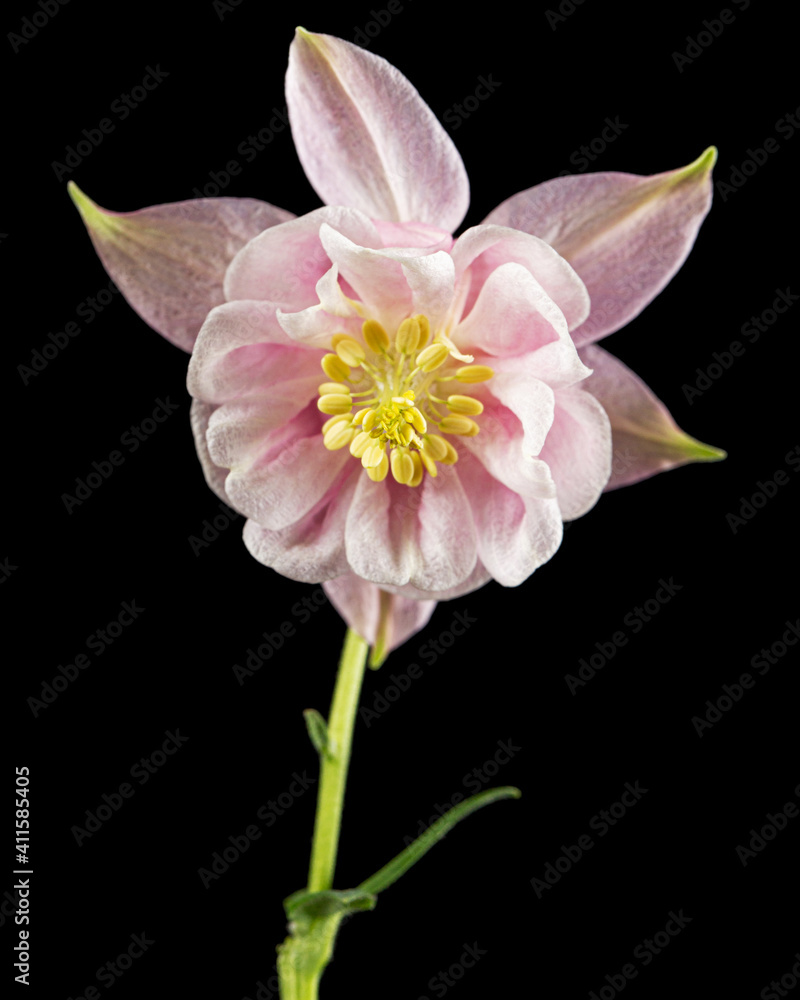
pixel 384 396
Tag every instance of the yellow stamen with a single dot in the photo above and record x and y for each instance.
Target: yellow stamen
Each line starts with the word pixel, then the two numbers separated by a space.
pixel 371 458
pixel 418 468
pixel 432 357
pixel 359 444
pixel 335 403
pixel 338 419
pixel 377 473
pixel 376 338
pixel 333 387
pixel 407 335
pixel 334 367
pixel 349 350
pixel 464 404
pixel 474 373
pixel 436 447
pixel 415 418
pixel 459 425
pixel 451 457
pixel 338 436
pixel 402 466
pixel 428 462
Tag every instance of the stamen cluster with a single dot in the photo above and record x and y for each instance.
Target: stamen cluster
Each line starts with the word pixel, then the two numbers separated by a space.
pixel 384 396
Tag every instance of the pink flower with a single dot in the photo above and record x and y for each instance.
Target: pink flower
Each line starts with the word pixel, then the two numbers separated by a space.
pixel 400 414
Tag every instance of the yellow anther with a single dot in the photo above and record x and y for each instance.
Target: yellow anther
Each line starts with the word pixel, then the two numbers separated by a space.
pixel 338 436
pixel 424 329
pixel 406 434
pixel 334 367
pixel 402 401
pixel 415 418
pixel 377 339
pixel 419 471
pixel 474 373
pixel 433 356
pixel 369 421
pixel 371 458
pixel 340 418
pixel 407 335
pixel 464 404
pixel 428 462
pixel 359 417
pixel 335 403
pixel 402 466
pixel 436 447
pixel 338 388
pixel 459 425
pixel 377 473
pixel 348 349
pixel 451 457
pixel 359 444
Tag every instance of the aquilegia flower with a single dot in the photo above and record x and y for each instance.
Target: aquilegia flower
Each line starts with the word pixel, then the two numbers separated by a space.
pixel 400 414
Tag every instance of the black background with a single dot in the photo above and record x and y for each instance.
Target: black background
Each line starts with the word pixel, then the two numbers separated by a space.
pixel 505 681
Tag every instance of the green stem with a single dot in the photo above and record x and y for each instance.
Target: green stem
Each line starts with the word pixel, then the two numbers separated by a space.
pixel 333 776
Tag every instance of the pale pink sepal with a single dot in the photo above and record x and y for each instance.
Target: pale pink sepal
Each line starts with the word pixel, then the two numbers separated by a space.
pixel 385 620
pixel 624 234
pixel 645 438
pixel 169 261
pixel 366 138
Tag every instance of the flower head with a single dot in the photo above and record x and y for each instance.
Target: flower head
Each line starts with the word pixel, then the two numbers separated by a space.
pixel 392 408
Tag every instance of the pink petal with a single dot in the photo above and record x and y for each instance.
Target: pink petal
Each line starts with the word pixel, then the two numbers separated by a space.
pixel 242 350
pixel 284 471
pixel 499 448
pixel 383 619
pixel 625 235
pixel 516 535
pixel 512 315
pixel 482 249
pixel 396 537
pixel 169 261
pixel 285 267
pixel 312 549
pixel 413 234
pixel 367 139
pixel 578 451
pixel 646 439
pixel 199 416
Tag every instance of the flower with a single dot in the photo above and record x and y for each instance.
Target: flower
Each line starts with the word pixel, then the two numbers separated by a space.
pixel 400 414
